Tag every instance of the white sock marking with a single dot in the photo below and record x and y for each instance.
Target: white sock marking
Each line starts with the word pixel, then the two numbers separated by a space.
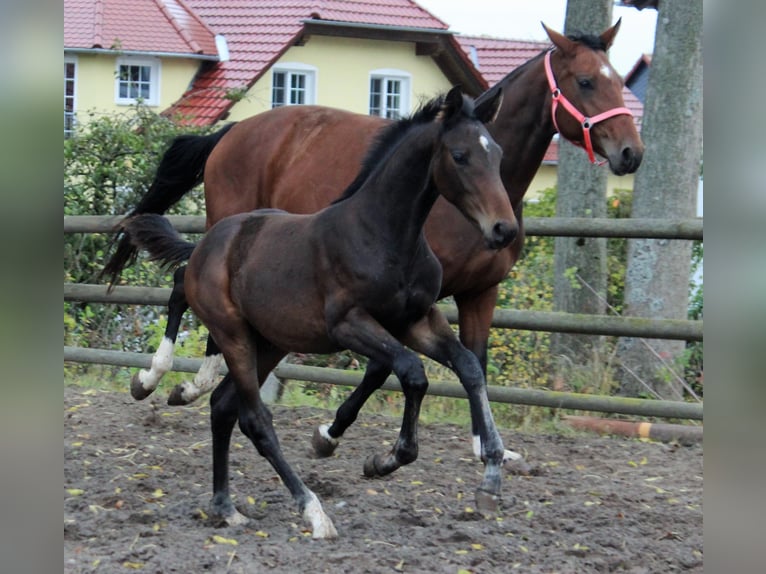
pixel 507 455
pixel 162 362
pixel 321 525
pixel 324 431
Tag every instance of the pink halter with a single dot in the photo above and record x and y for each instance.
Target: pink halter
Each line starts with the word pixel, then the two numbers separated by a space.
pixel 585 122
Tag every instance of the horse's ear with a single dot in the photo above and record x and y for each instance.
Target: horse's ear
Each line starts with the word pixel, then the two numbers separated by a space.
pixel 487 110
pixel 608 37
pixel 453 103
pixel 563 43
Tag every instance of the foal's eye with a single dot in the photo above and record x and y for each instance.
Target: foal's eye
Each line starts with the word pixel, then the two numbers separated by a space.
pixel 585 84
pixel 460 157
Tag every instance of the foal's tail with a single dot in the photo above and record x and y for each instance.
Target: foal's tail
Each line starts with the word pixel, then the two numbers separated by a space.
pixel 181 169
pixel 155 234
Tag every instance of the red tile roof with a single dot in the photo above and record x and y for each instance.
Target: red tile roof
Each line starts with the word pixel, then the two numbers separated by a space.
pixel 257 33
pixel 155 26
pixel 496 57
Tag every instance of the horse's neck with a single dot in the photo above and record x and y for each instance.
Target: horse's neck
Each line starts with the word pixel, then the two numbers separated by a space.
pixel 523 128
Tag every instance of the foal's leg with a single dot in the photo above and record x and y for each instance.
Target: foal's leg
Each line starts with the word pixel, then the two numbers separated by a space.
pixel 255 421
pixel 359 332
pixel 204 381
pixel 224 412
pixel 475 319
pixel 143 383
pixel 326 437
pixel 434 337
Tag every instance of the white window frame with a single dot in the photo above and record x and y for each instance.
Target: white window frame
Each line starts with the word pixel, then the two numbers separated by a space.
pixel 292 70
pixel 154 80
pixel 386 76
pixel 72 114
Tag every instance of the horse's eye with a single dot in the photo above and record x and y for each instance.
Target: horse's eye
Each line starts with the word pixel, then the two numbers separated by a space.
pixel 585 84
pixel 460 157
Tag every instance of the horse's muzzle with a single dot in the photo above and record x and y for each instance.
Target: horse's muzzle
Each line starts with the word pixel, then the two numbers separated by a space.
pixel 502 234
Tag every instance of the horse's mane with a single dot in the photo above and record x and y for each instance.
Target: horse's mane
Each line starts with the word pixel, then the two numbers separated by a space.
pixel 590 40
pixel 388 137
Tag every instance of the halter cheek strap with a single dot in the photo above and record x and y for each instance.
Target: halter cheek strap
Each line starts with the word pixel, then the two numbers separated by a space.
pixel 586 122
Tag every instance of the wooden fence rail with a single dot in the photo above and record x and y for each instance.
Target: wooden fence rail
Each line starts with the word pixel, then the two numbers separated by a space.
pixel 514 395
pixel 503 318
pixel 540 226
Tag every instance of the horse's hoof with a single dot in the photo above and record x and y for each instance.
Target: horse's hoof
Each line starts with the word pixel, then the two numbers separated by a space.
pixel 369 467
pixel 137 389
pixel 486 502
pixel 235 519
pixel 323 444
pixel 176 397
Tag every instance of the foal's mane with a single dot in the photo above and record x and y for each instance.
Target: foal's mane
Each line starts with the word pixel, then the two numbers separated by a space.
pixel 388 137
pixel 590 40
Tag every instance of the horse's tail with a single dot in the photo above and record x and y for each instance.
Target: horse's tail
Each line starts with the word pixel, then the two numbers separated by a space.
pixel 181 169
pixel 155 234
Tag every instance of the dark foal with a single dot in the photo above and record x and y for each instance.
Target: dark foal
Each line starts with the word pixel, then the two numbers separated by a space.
pixel 267 160
pixel 357 275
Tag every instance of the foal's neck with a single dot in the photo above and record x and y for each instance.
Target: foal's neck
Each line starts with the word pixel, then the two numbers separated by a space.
pixel 401 192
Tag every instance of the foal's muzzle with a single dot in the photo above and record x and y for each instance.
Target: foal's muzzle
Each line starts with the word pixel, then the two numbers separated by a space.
pixel 502 234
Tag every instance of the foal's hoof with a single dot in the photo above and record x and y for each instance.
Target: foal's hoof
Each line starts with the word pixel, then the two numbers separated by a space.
pixel 370 470
pixel 323 444
pixel 137 389
pixel 486 502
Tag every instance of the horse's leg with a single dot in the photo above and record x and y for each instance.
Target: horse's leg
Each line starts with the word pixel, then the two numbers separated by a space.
pixel 475 320
pixel 360 333
pixel 326 437
pixel 239 348
pixel 434 337
pixel 204 381
pixel 143 383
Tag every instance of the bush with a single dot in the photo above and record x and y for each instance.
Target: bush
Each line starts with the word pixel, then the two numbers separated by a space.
pixel 108 165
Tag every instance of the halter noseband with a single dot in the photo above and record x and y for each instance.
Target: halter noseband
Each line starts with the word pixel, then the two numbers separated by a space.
pixel 585 122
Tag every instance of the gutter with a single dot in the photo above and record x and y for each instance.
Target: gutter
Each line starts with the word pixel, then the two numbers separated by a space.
pixel 339 24
pixel 143 53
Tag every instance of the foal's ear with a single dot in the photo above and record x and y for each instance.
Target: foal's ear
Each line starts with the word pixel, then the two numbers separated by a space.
pixel 453 103
pixel 608 37
pixel 563 43
pixel 487 110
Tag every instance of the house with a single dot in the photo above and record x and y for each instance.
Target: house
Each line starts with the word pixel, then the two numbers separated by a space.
pixel 638 78
pixel 202 61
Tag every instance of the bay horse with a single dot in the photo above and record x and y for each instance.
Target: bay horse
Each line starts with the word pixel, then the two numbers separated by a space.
pixel 296 158
pixel 359 275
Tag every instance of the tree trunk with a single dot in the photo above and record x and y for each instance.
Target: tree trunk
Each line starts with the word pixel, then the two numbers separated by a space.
pixel 581 193
pixel 657 276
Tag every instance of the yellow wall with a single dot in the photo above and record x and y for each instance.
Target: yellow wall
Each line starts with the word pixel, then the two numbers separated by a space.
pixel 96 87
pixel 343 73
pixel 546 177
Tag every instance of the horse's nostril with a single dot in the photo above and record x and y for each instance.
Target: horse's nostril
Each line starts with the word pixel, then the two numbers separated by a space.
pixel 630 159
pixel 503 233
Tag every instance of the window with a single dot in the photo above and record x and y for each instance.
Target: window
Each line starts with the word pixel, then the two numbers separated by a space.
pixel 138 80
pixel 70 85
pixel 389 93
pixel 293 85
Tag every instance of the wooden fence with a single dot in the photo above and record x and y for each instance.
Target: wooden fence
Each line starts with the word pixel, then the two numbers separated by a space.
pixel 689 229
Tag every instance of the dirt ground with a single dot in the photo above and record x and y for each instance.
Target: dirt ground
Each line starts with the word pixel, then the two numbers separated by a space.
pixel 138 483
